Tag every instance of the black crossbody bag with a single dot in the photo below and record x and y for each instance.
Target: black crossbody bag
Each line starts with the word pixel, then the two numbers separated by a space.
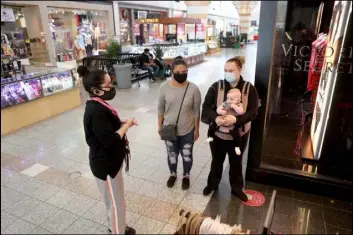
pixel 168 132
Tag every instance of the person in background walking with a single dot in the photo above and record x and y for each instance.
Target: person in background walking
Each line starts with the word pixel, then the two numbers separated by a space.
pixel 185 114
pixel 105 135
pixel 224 144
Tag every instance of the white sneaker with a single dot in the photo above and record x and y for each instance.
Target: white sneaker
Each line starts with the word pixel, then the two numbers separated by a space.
pixel 237 150
pixel 209 139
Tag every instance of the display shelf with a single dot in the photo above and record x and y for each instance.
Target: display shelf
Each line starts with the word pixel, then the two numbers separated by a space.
pixel 13 93
pixel 56 82
pixel 22 88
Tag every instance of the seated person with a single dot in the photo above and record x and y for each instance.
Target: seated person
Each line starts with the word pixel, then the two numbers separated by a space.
pixel 149 65
pixel 232 106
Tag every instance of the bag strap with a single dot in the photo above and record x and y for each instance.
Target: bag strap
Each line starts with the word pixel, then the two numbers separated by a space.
pixel 220 93
pixel 181 105
pixel 244 95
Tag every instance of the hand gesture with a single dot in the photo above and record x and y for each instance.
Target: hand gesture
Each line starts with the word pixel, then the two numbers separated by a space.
pixel 131 122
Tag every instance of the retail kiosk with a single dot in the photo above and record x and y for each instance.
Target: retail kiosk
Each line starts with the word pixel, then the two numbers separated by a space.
pixel 33 97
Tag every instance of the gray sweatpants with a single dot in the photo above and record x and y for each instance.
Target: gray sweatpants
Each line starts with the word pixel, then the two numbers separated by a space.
pixel 112 191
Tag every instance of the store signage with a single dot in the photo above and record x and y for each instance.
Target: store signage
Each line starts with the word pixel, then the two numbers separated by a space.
pixel 254 198
pixel 141 14
pixel 149 21
pixel 305 52
pixel 7 15
pixel 153 15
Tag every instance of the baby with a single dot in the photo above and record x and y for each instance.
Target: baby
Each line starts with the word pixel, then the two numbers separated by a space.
pixel 232 106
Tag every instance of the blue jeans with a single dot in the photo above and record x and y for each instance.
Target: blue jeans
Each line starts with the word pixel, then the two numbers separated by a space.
pixel 152 70
pixel 183 145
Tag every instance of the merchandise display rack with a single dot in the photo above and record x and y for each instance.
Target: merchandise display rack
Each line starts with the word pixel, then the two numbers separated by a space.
pixel 35 86
pixel 36 96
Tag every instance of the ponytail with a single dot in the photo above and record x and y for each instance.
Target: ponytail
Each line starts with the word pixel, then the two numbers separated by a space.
pixel 238 60
pixel 82 71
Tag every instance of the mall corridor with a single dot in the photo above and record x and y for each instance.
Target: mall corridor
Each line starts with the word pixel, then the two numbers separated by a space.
pixel 47 186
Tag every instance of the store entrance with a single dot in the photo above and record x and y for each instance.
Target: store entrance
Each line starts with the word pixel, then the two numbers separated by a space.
pixel 308 124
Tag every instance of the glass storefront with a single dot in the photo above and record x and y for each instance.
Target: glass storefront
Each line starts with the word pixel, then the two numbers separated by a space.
pixel 308 121
pixel 78 33
pixel 14 37
pixel 131 34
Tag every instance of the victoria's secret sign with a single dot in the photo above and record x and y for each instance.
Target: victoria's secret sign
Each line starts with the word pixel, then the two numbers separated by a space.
pixel 305 51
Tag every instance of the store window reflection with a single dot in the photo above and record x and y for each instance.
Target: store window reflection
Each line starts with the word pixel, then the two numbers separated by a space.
pixel 78 33
pixel 309 116
pixel 14 38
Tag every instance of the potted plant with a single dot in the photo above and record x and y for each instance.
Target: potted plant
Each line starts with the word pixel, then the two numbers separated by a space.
pixel 114 48
pixel 159 52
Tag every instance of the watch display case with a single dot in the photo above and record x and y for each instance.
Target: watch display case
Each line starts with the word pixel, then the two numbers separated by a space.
pixel 22 88
pixel 17 92
pixel 57 82
pixel 170 52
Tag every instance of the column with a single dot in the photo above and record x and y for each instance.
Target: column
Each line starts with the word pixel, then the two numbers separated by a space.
pixel 170 13
pixel 244 23
pixel 199 10
pixel 37 23
pixel 116 19
pixel 48 37
pixel 133 37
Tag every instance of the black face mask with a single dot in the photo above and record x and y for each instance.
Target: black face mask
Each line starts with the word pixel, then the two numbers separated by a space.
pixel 180 77
pixel 108 95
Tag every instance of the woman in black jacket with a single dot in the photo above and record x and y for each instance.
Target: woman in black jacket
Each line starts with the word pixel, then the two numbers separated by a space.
pixel 105 135
pixel 223 144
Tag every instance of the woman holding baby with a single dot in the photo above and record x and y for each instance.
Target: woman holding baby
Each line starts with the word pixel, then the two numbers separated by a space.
pixel 230 105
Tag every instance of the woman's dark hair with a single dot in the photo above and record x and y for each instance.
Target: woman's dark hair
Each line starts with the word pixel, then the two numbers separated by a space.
pixel 179 62
pixel 178 58
pixel 238 60
pixel 82 71
pixel 91 79
pixel 146 50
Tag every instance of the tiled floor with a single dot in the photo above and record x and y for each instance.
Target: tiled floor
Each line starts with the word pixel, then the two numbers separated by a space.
pixel 295 212
pixel 39 196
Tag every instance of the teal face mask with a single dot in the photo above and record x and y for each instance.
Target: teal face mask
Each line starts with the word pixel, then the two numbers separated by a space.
pixel 229 77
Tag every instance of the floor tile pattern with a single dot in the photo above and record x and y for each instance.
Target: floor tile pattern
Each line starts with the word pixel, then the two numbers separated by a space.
pixel 295 212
